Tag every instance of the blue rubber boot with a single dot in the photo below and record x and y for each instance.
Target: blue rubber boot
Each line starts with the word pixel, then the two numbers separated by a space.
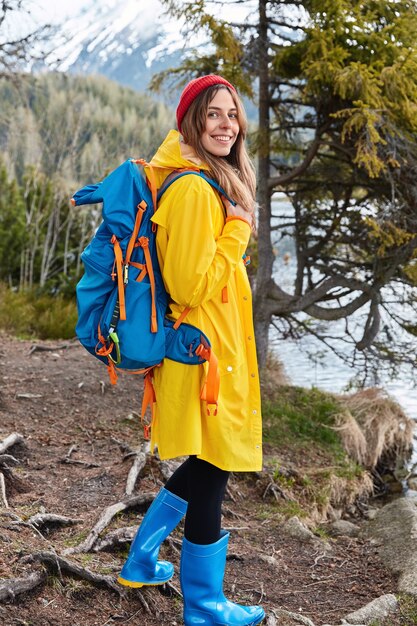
pixel 202 572
pixel 142 566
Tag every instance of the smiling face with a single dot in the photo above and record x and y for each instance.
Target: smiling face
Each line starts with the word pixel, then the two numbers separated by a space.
pixel 222 126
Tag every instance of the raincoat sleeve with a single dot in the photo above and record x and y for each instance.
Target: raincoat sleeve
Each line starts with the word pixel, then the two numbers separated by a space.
pixel 198 265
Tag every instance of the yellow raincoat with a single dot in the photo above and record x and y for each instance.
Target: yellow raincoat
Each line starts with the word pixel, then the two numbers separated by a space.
pixel 200 251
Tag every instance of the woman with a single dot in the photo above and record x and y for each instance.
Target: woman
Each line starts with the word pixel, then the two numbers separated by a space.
pixel 201 241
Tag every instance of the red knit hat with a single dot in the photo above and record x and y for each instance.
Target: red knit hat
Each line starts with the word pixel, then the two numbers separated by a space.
pixel 191 91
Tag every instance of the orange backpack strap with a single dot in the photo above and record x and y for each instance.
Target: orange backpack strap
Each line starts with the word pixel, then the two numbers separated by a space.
pixel 141 210
pixel 152 180
pixel 210 390
pixel 120 278
pixel 144 242
pixel 181 318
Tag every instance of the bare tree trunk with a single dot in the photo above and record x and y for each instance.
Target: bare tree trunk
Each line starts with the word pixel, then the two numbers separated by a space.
pixel 46 251
pixel 262 316
pixel 51 241
pixel 22 270
pixel 67 239
pixel 81 244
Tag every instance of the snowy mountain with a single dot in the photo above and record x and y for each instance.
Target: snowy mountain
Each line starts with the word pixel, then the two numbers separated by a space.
pixel 127 42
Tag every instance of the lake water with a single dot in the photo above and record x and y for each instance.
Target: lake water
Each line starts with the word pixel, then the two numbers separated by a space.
pixel 325 370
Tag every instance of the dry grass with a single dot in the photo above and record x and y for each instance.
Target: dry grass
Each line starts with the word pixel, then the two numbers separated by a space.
pixel 352 436
pixel 345 491
pixel 373 425
pixel 272 376
pixel 330 444
pixel 332 490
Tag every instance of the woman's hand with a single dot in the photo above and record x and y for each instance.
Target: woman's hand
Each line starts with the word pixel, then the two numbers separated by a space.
pixel 237 211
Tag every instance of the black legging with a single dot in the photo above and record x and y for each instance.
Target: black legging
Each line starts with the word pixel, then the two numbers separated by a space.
pixel 202 485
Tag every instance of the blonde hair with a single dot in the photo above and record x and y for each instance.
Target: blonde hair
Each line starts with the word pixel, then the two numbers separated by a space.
pixel 234 172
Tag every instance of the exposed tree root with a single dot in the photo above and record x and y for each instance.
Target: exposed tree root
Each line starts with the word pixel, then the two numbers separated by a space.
pixel 106 517
pixel 45 519
pixel 11 588
pixel 139 463
pixel 115 539
pixel 10 441
pixel 8 459
pixel 57 564
pixel 168 468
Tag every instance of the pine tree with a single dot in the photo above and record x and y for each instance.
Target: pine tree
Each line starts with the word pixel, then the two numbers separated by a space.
pixel 335 83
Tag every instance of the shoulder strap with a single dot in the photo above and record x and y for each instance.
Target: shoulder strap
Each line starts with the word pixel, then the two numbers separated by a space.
pixel 180 173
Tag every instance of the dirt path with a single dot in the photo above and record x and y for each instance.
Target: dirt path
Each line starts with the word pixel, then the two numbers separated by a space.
pixel 62 398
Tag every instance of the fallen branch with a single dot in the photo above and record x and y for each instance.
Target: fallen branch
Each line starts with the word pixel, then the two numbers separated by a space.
pixel 3 490
pixel 174 544
pixel 10 441
pixel 28 396
pixel 174 590
pixel 123 446
pixel 11 588
pixel 57 564
pixel 275 490
pixel 69 461
pixel 43 348
pixel 72 449
pixel 230 494
pixel 44 519
pixel 228 511
pixel 87 464
pixel 106 517
pixel 138 465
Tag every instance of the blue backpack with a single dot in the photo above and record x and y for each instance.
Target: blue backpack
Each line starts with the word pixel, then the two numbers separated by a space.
pixel 121 298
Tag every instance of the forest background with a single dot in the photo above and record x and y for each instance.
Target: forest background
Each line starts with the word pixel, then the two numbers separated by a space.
pixel 334 87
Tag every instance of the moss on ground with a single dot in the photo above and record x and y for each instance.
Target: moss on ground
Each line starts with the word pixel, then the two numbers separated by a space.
pixel 297 416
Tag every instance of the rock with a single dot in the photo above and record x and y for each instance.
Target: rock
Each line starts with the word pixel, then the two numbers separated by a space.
pixel 296 529
pixel 395 530
pixel 412 483
pixel 343 528
pixel 371 513
pixel 378 609
pixel 271 560
pixel 279 617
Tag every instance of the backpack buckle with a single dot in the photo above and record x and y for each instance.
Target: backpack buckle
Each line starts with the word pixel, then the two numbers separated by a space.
pixel 115 339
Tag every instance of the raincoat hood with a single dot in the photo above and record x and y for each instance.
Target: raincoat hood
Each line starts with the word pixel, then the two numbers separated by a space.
pixel 173 154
